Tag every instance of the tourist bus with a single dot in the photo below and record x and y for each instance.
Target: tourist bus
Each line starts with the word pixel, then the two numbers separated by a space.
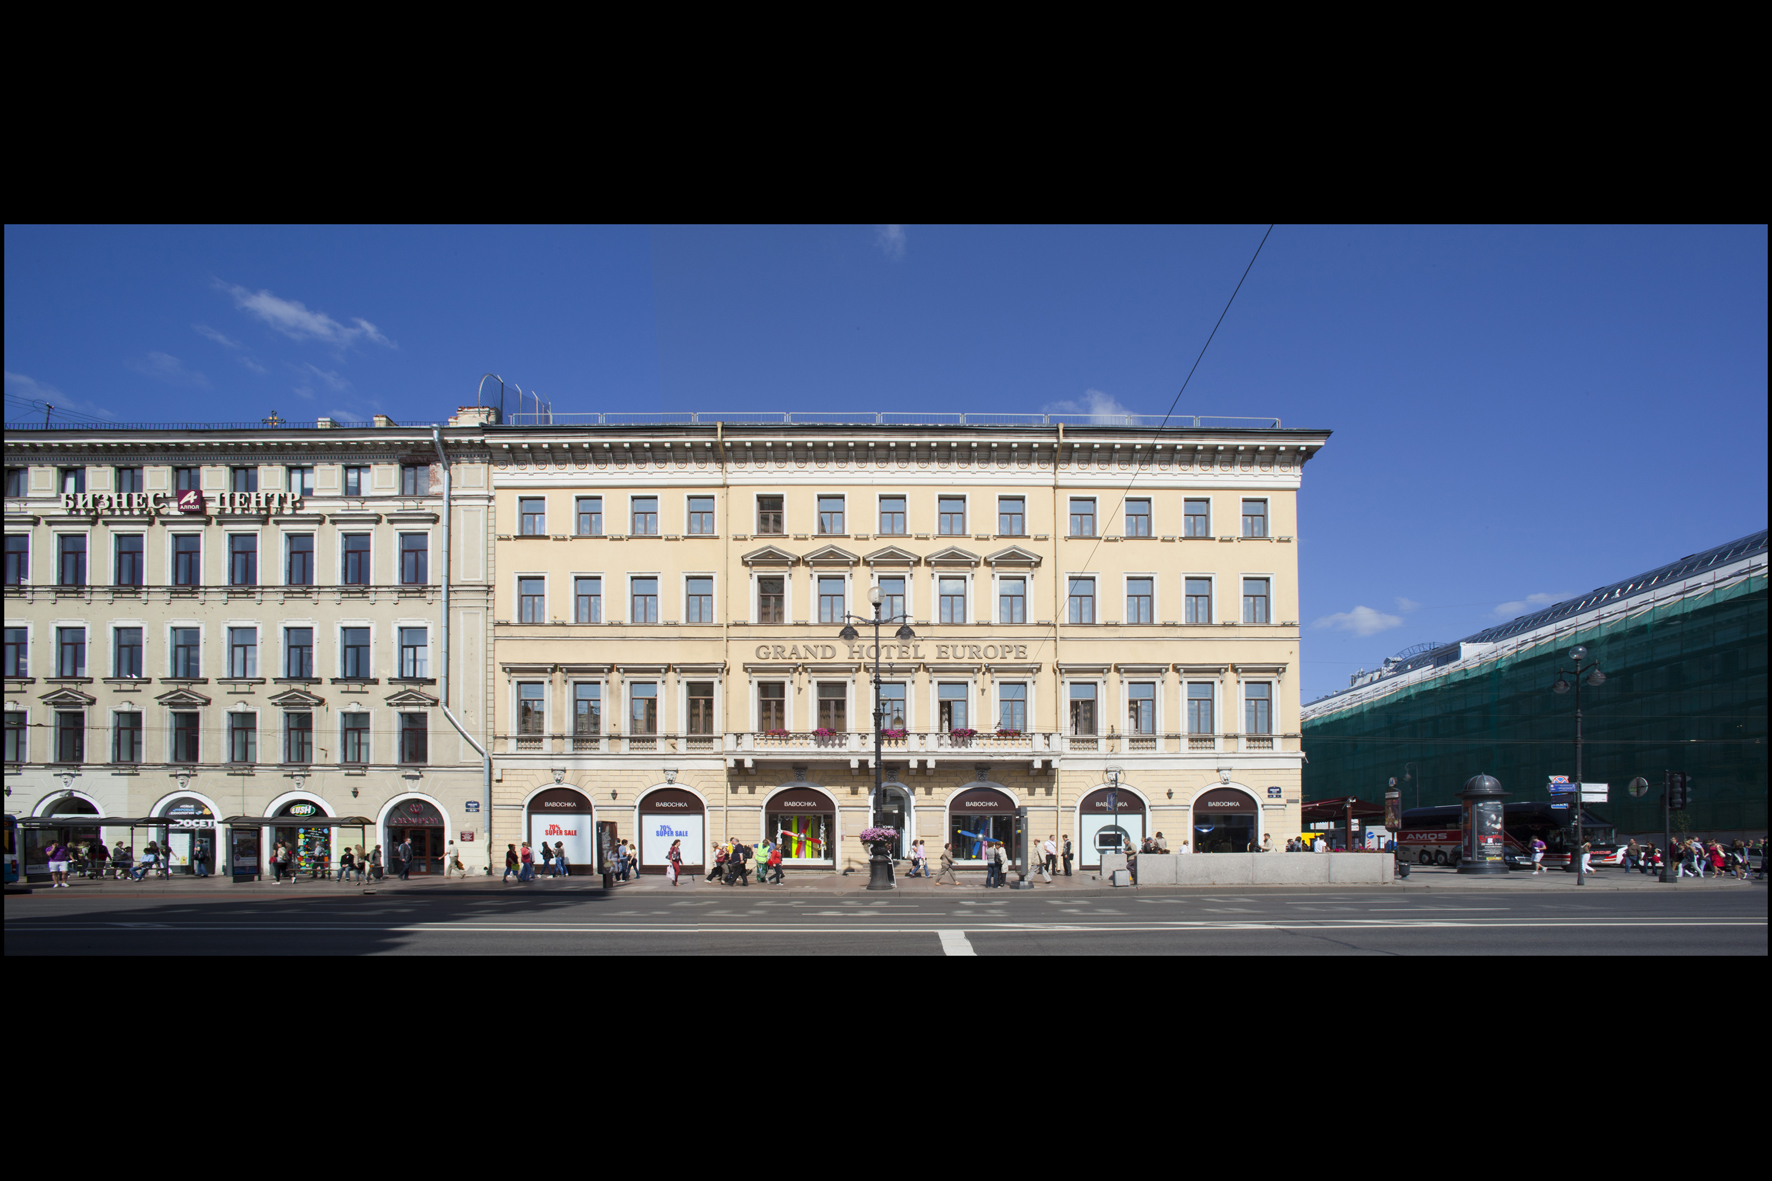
pixel 1434 836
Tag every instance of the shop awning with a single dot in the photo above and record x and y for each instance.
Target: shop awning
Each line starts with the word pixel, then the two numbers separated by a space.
pixel 298 822
pixel 76 820
pixel 1318 811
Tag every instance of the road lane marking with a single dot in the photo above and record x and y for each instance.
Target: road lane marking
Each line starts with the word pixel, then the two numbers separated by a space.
pixel 15 929
pixel 955 943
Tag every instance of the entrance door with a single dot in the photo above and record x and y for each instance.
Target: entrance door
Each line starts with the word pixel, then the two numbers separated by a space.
pixel 893 814
pixel 427 847
pixel 1232 832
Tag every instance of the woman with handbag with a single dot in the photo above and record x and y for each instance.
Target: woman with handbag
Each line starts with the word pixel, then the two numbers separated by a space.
pixel 674 862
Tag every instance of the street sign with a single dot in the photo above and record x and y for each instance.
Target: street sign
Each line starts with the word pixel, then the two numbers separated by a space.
pixel 1560 785
pixel 473 805
pixel 1559 779
pixel 1594 793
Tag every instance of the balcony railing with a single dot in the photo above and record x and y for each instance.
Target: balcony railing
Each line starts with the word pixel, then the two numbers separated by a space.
pixel 860 743
pixel 1258 742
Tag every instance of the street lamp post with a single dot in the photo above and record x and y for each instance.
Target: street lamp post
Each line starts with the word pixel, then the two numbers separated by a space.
pixel 879 869
pixel 1595 678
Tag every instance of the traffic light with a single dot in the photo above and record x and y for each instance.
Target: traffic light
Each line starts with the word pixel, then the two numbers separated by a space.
pixel 1676 790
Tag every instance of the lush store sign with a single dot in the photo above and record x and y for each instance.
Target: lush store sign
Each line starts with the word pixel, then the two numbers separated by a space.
pixel 190 501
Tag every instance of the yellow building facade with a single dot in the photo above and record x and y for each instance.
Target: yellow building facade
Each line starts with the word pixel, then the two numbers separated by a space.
pixel 1088 605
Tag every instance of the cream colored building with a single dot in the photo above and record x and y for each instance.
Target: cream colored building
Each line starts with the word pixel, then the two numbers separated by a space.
pixel 245 621
pixel 1090 603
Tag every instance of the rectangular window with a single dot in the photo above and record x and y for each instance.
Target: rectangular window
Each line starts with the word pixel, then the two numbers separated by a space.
pixel 701 707
pixel 587 600
pixel 830 514
pixel 17 652
pixel 769 515
pixel 772 706
pixel 1012 516
pixel 1258 704
pixel 242 559
pixel 1083 709
pixel 187 479
pixel 1141 708
pixel 16 483
pixel 15 736
pixel 645 514
pixel 1012 707
pixel 1199 709
pixel 355 732
pixel 1082 600
pixel 587 708
pixel 953 599
pixel 70 737
pixel 772 599
pixel 185 734
pixel 356 559
pixel 1012 600
pixel 73 479
pixel 701 515
pixel 242 479
pixel 126 743
pixel 698 602
pixel 128 479
pixel 892 515
pixel 298 738
pixel 18 559
pixel 298 653
pixel 832 706
pixel 590 516
pixel 892 706
pixel 532 711
pixel 131 568
pixel 70 651
pixel 356 481
pixel 1255 600
pixel 1197 607
pixel 1082 517
pixel 186 654
pixel 831 607
pixel 892 597
pixel 415 558
pixel 1138 518
pixel 1196 520
pixel 415 652
pixel 242 738
pixel 187 559
pixel 951 515
pixel 643 715
pixel 127 650
pixel 301 559
pixel 645 601
pixel 301 479
pixel 415 746
pixel 243 652
pixel 532 516
pixel 1138 600
pixel 355 651
pixel 415 479
pixel 71 567
pixel 1255 518
pixel 950 704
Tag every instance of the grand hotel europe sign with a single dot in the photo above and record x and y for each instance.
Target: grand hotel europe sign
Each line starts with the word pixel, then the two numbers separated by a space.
pixel 189 501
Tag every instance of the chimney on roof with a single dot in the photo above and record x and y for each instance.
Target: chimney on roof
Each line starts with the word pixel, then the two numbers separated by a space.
pixel 474 416
pixel 324 424
pixel 384 420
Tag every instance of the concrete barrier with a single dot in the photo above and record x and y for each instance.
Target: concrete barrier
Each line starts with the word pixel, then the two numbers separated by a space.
pixel 1255 869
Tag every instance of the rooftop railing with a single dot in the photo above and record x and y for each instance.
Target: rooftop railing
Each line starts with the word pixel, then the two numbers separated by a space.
pixel 843 418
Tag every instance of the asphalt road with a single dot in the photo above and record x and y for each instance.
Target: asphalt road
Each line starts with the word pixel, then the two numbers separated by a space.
pixel 1725 919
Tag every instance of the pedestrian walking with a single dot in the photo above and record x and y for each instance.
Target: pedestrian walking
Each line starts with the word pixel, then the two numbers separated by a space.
pixel 1049 854
pixel 1066 854
pixel 947 867
pixel 990 865
pixel 405 856
pixel 561 866
pixel 718 870
pixel 199 859
pixel 375 864
pixel 674 861
pixel 1267 842
pixel 56 853
pixel 1132 867
pixel 1538 848
pixel 526 855
pixel 1587 851
pixel 775 863
pixel 919 860
pixel 1632 855
pixel 452 862
pixel 513 865
pixel 547 860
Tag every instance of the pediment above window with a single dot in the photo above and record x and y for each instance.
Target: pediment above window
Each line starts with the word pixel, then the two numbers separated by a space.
pixel 830 555
pixel 769 555
pixel 1014 556
pixel 892 555
pixel 952 555
pixel 411 699
pixel 297 699
pixel 182 699
pixel 67 698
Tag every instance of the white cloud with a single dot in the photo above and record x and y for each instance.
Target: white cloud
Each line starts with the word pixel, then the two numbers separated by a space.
pixel 1095 403
pixel 252 365
pixel 1518 607
pixel 21 385
pixel 1407 604
pixel 332 378
pixel 227 342
pixel 890 240
pixel 293 319
pixel 169 369
pixel 1362 621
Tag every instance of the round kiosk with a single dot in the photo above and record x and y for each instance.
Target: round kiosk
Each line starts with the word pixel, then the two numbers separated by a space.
pixel 804 820
pixel 672 814
pixel 417 821
pixel 1100 829
pixel 977 815
pixel 564 817
pixel 1225 820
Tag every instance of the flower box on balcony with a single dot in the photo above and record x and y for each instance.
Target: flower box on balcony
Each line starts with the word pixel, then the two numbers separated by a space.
pixel 892 734
pixel 962 733
pixel 1008 733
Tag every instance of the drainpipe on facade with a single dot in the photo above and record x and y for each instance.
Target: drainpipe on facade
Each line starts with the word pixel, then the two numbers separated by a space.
pixel 1059 604
pixel 443 681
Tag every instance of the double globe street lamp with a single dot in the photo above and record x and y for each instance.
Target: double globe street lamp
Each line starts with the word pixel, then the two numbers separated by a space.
pixel 879 864
pixel 1595 678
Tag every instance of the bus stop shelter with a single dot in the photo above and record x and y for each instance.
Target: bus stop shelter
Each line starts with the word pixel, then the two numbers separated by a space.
pixel 1344 811
pixel 253 824
pixel 80 820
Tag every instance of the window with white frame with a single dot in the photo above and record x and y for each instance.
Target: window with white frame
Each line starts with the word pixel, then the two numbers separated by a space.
pixel 892 705
pixel 531 707
pixel 1196 518
pixel 1083 698
pixel 1255 518
pixel 1255 600
pixel 950 704
pixel 16 748
pixel 186 654
pixel 892 516
pixel 1258 708
pixel 354 648
pixel 242 737
pixel 126 652
pixel 532 516
pixel 699 699
pixel 1199 708
pixel 131 567
pixel 833 706
pixel 951 594
pixel 301 560
pixel 1012 706
pixel 645 516
pixel 1082 516
pixel 298 737
pixel 415 648
pixel 701 516
pixel 242 652
pixel 1197 601
pixel 126 737
pixel 892 596
pixel 587 600
pixel 1139 599
pixel 590 516
pixel 830 514
pixel 70 651
pixel 698 599
pixel 643 707
pixel 772 706
pixel 1012 600
pixel 1138 518
pixel 951 515
pixel 1012 516
pixel 1081 605
pixel 532 600
pixel 1141 707
pixel 18 654
pixel 298 653
pixel 831 604
pixel 772 598
pixel 587 707
pixel 354 731
pixel 644 600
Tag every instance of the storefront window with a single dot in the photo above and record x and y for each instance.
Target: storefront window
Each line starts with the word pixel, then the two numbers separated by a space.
pixel 803 821
pixel 978 815
pixel 311 842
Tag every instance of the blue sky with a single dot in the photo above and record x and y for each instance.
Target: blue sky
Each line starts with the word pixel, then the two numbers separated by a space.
pixel 1520 414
